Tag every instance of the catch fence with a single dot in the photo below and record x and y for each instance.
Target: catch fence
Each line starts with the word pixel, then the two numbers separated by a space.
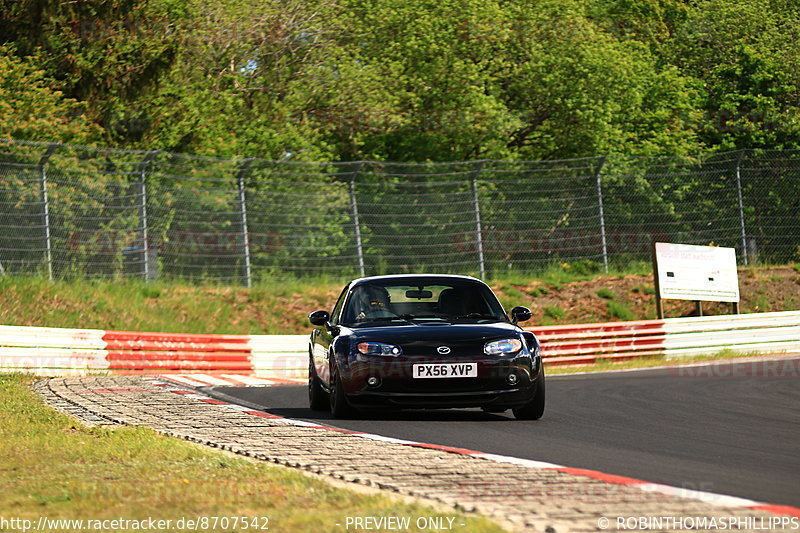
pixel 76 211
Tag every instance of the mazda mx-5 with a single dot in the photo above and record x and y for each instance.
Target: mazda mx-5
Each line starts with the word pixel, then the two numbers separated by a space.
pixel 423 341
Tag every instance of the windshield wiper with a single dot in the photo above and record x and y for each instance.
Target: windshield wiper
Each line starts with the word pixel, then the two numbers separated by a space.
pixel 409 316
pixel 478 316
pixel 380 319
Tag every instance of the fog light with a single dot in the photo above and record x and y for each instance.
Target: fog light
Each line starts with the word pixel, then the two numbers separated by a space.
pixel 373 381
pixel 512 379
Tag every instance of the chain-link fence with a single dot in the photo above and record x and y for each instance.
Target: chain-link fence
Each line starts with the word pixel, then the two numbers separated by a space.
pixel 70 211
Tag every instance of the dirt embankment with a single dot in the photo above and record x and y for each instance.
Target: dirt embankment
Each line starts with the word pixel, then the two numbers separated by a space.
pixel 632 297
pixel 279 308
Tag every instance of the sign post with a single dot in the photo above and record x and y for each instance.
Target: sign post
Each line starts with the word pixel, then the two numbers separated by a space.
pixel 699 273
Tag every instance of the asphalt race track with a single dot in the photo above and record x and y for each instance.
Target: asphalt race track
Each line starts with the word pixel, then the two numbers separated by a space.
pixel 730 428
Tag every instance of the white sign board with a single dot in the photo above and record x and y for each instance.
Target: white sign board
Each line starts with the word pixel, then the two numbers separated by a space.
pixel 705 273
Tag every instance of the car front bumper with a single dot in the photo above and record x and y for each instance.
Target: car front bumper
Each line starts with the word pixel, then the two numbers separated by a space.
pixel 397 388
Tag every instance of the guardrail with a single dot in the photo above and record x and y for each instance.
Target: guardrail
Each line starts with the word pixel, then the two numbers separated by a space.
pixel 766 333
pixel 56 351
pixel 52 351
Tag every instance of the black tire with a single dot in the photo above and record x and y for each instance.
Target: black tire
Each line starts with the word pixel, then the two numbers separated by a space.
pixel 340 407
pixel 317 398
pixel 534 409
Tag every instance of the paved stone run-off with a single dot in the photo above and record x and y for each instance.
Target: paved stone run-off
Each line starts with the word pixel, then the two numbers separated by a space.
pixel 518 497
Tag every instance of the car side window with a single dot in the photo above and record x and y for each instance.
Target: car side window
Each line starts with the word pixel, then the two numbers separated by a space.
pixel 337 309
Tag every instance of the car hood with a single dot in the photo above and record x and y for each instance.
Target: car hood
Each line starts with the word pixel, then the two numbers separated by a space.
pixel 424 338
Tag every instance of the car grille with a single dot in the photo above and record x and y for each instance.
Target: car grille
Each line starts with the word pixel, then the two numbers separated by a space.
pixel 442 385
pixel 457 349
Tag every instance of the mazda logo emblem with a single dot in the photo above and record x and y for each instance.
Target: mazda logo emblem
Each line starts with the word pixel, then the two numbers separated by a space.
pixel 444 350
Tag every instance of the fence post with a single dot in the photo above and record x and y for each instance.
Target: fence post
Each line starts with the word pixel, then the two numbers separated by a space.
pixel 356 223
pixel 143 212
pixel 243 218
pixel 597 176
pixel 48 244
pixel 478 229
pixel 741 204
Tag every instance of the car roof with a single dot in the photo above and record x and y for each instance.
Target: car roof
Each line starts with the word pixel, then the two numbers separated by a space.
pixel 401 277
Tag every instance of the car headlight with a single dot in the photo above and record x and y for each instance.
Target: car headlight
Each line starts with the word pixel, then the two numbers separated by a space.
pixel 379 348
pixel 502 347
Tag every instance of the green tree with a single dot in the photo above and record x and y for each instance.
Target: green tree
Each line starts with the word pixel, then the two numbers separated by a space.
pixel 648 21
pixel 747 54
pixel 581 91
pixel 30 109
pixel 266 80
pixel 108 53
pixel 439 60
pixel 416 80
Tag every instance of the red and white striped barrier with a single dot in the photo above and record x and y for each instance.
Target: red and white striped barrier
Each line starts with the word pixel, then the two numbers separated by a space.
pixel 52 351
pixel 761 333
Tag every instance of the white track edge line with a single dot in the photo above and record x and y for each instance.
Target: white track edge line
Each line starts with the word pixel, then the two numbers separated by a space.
pixel 722 500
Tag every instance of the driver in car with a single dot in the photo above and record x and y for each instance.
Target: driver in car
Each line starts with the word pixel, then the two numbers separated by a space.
pixel 373 302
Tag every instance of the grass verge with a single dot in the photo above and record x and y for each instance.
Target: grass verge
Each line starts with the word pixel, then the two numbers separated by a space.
pixel 564 294
pixel 51 467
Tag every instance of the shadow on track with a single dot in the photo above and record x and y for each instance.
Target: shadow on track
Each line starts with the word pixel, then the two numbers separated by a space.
pixel 289 397
pixel 419 415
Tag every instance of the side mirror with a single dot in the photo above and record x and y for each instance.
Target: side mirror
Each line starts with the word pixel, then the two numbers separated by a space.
pixel 520 314
pixel 319 318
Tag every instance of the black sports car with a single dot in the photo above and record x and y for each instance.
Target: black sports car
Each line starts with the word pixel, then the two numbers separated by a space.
pixel 423 341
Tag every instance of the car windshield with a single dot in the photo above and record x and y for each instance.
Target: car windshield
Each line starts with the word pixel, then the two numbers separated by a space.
pixel 411 300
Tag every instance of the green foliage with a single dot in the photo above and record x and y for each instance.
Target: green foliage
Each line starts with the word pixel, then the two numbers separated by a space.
pixel 761 303
pixel 110 54
pixel 747 55
pixel 605 293
pixel 619 310
pixel 511 297
pixel 538 291
pixel 644 289
pixel 151 292
pixel 554 312
pixel 555 275
pixel 410 80
pixel 584 267
pixel 649 21
pixel 32 109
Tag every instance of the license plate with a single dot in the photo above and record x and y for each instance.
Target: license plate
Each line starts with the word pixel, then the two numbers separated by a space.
pixel 446 370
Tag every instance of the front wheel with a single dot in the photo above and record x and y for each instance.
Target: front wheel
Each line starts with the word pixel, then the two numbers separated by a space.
pixel 340 408
pixel 534 409
pixel 317 397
